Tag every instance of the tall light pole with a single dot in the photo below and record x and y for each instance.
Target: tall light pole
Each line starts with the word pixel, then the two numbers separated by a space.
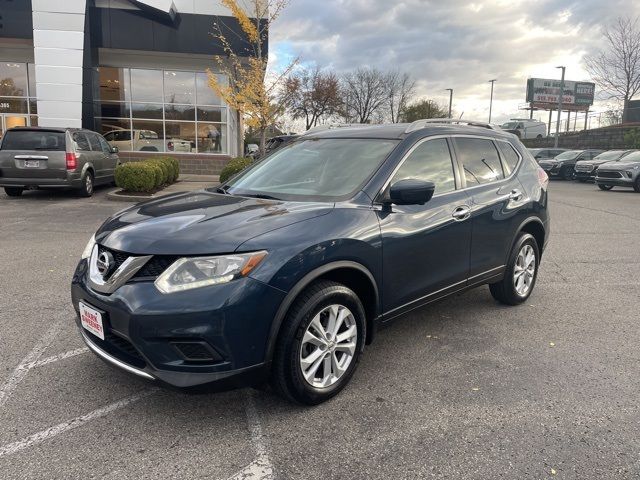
pixel 450 90
pixel 491 101
pixel 555 143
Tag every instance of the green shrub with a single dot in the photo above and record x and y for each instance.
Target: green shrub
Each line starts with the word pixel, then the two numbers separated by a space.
pixel 148 175
pixel 234 166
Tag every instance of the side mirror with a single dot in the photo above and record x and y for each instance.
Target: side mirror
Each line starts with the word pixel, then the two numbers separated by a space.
pixel 411 192
pixel 114 150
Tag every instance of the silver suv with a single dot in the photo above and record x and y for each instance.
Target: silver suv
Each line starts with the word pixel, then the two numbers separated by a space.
pixel 623 173
pixel 38 157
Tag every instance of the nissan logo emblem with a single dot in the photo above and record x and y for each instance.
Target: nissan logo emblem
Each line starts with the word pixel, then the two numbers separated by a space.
pixel 105 263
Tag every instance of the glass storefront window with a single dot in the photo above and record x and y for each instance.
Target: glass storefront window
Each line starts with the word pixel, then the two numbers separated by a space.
pixel 13 105
pixel 114 84
pixel 31 70
pixel 179 112
pixel 146 110
pixel 179 87
pixel 114 109
pixel 146 86
pixel 117 132
pixel 212 138
pixel 148 136
pixel 212 114
pixel 13 79
pixel 181 136
pixel 206 96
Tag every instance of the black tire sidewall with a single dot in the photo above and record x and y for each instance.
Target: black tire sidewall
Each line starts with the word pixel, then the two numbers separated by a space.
pixel 523 239
pixel 567 173
pixel 83 188
pixel 299 387
pixel 604 188
pixel 13 191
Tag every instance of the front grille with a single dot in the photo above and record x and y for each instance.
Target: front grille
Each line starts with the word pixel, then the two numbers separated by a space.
pixel 150 271
pixel 584 168
pixel 602 174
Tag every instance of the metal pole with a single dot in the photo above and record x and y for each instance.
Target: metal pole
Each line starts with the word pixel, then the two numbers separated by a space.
pixel 549 127
pixel 555 143
pixel 491 101
pixel 586 119
pixel 450 90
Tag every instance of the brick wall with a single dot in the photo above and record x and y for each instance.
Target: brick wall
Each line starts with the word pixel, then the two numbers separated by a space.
pixel 199 164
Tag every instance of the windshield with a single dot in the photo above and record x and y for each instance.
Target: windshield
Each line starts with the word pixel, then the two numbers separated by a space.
pixel 323 169
pixel 34 140
pixel 632 157
pixel 610 155
pixel 568 155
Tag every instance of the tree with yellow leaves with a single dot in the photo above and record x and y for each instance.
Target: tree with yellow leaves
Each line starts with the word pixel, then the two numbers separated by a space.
pixel 251 90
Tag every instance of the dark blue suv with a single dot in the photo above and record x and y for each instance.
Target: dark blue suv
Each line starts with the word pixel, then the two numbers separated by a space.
pixel 286 272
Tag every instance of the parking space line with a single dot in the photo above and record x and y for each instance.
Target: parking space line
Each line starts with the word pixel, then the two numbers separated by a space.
pixel 61 356
pixel 23 368
pixel 261 468
pixel 51 432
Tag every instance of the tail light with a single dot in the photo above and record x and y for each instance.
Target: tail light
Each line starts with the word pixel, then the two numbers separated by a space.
pixel 72 161
pixel 543 178
pixel 170 146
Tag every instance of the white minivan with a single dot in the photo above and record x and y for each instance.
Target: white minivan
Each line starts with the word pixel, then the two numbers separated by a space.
pixel 525 128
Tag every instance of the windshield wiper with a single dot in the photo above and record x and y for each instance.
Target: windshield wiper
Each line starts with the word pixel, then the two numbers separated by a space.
pixel 259 195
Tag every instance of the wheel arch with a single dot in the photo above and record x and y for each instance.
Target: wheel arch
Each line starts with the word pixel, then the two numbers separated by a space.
pixel 535 227
pixel 353 275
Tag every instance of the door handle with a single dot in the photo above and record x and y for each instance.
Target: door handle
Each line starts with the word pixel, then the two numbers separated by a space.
pixel 515 195
pixel 461 213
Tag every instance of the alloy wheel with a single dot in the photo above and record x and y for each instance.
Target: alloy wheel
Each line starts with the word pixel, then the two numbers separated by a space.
pixel 524 271
pixel 328 346
pixel 88 184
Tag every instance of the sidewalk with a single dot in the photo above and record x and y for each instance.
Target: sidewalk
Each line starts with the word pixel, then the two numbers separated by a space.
pixel 185 183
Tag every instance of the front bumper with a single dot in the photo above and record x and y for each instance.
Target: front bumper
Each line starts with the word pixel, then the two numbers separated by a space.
pixel 145 329
pixel 552 169
pixel 617 182
pixel 581 175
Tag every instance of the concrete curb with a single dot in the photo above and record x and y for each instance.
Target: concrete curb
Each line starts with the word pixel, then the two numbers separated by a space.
pixel 116 197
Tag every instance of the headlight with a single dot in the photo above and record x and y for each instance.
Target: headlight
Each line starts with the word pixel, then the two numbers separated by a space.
pixel 559 164
pixel 196 272
pixel 86 253
pixel 636 167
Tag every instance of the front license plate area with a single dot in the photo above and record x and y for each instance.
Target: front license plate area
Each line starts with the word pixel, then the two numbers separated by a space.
pixel 91 320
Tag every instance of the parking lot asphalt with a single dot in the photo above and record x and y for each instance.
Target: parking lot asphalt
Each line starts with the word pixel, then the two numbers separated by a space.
pixel 462 389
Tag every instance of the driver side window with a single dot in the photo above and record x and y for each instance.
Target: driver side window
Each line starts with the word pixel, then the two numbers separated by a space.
pixel 429 162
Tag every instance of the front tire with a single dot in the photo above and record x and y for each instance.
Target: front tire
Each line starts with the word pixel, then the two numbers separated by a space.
pixel 521 272
pixel 605 187
pixel 13 191
pixel 568 173
pixel 636 185
pixel 319 344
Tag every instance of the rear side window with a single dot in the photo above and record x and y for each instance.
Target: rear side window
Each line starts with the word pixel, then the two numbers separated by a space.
pixel 479 160
pixel 33 140
pixel 430 162
pixel 106 148
pixel 95 143
pixel 81 141
pixel 509 156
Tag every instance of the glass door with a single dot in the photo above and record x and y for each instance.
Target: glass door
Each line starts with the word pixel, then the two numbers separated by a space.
pixel 9 120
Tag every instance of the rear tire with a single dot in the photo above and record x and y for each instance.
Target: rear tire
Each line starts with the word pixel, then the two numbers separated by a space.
pixel 636 185
pixel 605 187
pixel 314 359
pixel 13 191
pixel 86 190
pixel 521 272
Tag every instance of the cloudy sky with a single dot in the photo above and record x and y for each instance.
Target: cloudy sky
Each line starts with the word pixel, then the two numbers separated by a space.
pixel 451 43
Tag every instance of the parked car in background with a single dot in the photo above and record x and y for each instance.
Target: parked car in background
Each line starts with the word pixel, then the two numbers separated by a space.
pixel 525 128
pixel 563 165
pixel 274 144
pixel 251 149
pixel 145 141
pixel 42 157
pixel 585 170
pixel 291 266
pixel 623 173
pixel 546 153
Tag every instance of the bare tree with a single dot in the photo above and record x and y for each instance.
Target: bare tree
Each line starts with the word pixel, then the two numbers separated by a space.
pixel 313 95
pixel 401 90
pixel 616 69
pixel 365 91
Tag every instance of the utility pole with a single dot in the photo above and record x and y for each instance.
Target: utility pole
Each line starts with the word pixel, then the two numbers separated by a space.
pixel 491 101
pixel 450 90
pixel 555 143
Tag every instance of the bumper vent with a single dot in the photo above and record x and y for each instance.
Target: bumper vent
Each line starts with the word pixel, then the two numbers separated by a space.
pixel 197 352
pixel 602 174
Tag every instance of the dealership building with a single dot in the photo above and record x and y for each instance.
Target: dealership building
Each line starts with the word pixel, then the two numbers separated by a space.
pixel 133 70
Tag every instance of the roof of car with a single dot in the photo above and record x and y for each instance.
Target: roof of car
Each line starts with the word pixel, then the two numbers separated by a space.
pixel 49 129
pixel 399 131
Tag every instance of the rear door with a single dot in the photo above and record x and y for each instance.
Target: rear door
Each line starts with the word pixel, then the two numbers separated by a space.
pixel 98 155
pixel 33 153
pixel 110 158
pixel 425 247
pixel 497 198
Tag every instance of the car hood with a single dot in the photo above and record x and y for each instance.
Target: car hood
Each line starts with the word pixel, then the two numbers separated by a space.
pixel 619 165
pixel 200 223
pixel 593 162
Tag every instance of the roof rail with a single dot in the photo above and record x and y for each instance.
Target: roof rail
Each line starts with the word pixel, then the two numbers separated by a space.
pixel 332 126
pixel 418 124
